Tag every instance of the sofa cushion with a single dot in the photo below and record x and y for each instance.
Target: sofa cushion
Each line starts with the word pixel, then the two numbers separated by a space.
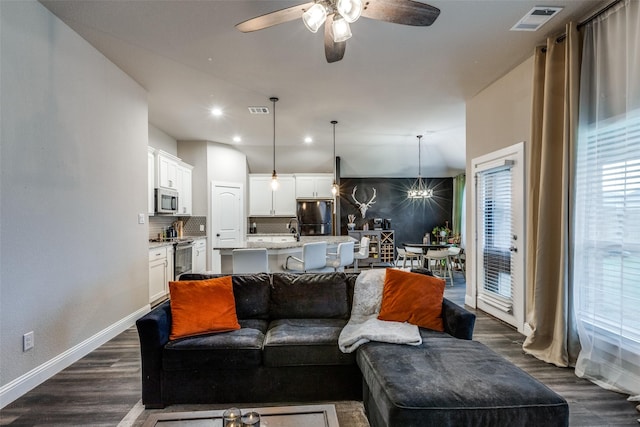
pixel 241 348
pixel 304 296
pixel 414 298
pixel 251 292
pixel 202 306
pixel 450 382
pixel 305 342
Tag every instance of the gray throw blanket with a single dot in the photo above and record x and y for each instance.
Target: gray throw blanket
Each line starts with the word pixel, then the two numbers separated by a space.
pixel 364 326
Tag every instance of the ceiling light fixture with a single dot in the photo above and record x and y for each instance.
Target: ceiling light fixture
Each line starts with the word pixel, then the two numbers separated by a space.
pixel 419 189
pixel 308 140
pixel 237 139
pixel 334 186
pixel 344 11
pixel 274 175
pixel 215 111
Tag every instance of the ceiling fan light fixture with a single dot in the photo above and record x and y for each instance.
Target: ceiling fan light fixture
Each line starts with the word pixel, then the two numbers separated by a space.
pixel 350 10
pixel 314 17
pixel 341 30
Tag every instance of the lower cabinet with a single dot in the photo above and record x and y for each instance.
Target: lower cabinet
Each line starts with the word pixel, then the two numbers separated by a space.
pixel 160 272
pixel 199 257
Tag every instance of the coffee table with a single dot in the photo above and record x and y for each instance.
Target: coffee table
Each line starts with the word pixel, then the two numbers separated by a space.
pixel 277 416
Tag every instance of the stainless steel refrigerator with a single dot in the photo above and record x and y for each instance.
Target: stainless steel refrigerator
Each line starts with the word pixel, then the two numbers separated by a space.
pixel 315 217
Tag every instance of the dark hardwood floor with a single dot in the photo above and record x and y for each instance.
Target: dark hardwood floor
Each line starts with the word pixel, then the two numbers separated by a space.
pixel 101 388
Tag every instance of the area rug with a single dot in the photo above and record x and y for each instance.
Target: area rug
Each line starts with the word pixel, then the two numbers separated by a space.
pixel 350 413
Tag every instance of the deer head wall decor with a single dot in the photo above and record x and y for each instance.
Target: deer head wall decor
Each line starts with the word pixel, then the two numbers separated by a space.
pixel 363 206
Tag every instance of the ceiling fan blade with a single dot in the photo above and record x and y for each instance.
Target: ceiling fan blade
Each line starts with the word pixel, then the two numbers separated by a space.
pixel 406 12
pixel 332 51
pixel 273 18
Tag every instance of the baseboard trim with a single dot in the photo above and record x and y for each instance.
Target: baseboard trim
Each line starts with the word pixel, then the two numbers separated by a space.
pixel 24 383
pixel 470 301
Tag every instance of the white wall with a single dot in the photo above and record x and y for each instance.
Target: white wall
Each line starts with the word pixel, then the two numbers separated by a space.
pixel 161 141
pixel 498 117
pixel 74 135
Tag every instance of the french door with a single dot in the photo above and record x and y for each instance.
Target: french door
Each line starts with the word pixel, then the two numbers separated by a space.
pixel 498 278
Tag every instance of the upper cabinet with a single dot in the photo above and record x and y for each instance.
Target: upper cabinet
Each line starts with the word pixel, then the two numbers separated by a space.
pixel 184 187
pixel 168 171
pixel 314 186
pixel 263 201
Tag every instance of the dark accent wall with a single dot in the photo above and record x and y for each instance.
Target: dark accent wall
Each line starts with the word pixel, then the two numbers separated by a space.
pixel 410 219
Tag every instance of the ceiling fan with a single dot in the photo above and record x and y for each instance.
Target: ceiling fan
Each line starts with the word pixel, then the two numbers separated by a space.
pixel 336 15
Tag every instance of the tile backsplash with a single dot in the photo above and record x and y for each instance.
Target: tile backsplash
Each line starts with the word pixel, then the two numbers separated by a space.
pixel 192 224
pixel 269 225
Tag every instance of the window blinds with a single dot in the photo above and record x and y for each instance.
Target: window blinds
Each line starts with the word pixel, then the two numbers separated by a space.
pixel 495 230
pixel 607 232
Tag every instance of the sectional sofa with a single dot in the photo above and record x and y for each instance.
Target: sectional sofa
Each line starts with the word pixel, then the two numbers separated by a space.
pixel 286 350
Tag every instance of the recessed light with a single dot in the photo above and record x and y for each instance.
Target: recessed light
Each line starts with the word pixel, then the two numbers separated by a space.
pixel 237 139
pixel 308 140
pixel 215 111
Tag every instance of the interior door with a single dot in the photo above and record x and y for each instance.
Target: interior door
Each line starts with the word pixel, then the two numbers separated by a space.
pixel 498 277
pixel 227 214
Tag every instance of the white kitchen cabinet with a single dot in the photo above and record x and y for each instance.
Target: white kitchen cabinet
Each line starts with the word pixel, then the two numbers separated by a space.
pixel 263 201
pixel 276 238
pixel 160 272
pixel 314 186
pixel 166 170
pixel 199 257
pixel 184 187
pixel 151 169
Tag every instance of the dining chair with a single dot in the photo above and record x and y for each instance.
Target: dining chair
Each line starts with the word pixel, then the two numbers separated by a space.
pixel 314 259
pixel 456 257
pixel 249 261
pixel 343 257
pixel 441 260
pixel 408 253
pixel 363 252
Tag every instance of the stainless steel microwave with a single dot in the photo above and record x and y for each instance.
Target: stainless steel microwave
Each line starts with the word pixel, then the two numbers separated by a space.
pixel 166 201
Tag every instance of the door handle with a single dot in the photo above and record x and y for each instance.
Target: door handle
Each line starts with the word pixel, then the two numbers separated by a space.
pixel 217 234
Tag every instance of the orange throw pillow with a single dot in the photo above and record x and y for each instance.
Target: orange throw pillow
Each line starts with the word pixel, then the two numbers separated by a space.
pixel 202 306
pixel 413 298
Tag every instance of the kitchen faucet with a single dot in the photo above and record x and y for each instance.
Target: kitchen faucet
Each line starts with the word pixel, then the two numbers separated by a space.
pixel 295 231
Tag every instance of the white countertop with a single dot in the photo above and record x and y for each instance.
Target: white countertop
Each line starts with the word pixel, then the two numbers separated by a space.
pixel 331 240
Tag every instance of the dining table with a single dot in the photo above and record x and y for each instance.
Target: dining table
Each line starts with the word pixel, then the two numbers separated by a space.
pixel 426 247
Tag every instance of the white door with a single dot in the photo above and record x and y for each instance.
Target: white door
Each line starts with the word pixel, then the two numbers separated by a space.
pixel 227 215
pixel 498 277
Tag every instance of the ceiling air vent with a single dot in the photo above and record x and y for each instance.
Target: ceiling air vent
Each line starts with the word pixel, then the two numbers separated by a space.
pixel 536 18
pixel 259 110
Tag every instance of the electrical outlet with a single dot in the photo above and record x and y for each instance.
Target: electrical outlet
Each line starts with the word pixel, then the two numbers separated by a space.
pixel 141 218
pixel 27 341
pixel 201 227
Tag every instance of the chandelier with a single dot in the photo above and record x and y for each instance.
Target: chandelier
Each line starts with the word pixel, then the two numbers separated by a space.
pixel 345 12
pixel 419 189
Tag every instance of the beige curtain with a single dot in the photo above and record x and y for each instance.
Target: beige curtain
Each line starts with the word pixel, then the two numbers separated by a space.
pixel 553 133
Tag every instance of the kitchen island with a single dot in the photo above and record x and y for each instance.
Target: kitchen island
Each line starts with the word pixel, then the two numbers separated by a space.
pixel 278 251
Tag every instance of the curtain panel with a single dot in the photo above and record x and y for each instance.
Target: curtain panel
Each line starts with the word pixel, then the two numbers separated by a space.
pixel 607 197
pixel 553 336
pixel 458 206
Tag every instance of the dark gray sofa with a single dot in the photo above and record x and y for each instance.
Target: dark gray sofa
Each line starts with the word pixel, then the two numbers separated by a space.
pixel 287 350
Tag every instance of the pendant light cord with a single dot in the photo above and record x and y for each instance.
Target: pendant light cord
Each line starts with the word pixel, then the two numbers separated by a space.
pixel 274 100
pixel 334 123
pixel 419 157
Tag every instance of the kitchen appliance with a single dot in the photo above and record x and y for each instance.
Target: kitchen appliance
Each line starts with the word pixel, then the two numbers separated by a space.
pixel 386 224
pixel 377 223
pixel 315 217
pixel 166 201
pixel 182 257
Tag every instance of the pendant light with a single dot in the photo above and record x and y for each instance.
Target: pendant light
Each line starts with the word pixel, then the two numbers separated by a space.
pixel 419 189
pixel 274 175
pixel 334 186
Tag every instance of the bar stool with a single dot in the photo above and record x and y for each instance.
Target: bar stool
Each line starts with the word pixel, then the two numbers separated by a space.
pixel 249 261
